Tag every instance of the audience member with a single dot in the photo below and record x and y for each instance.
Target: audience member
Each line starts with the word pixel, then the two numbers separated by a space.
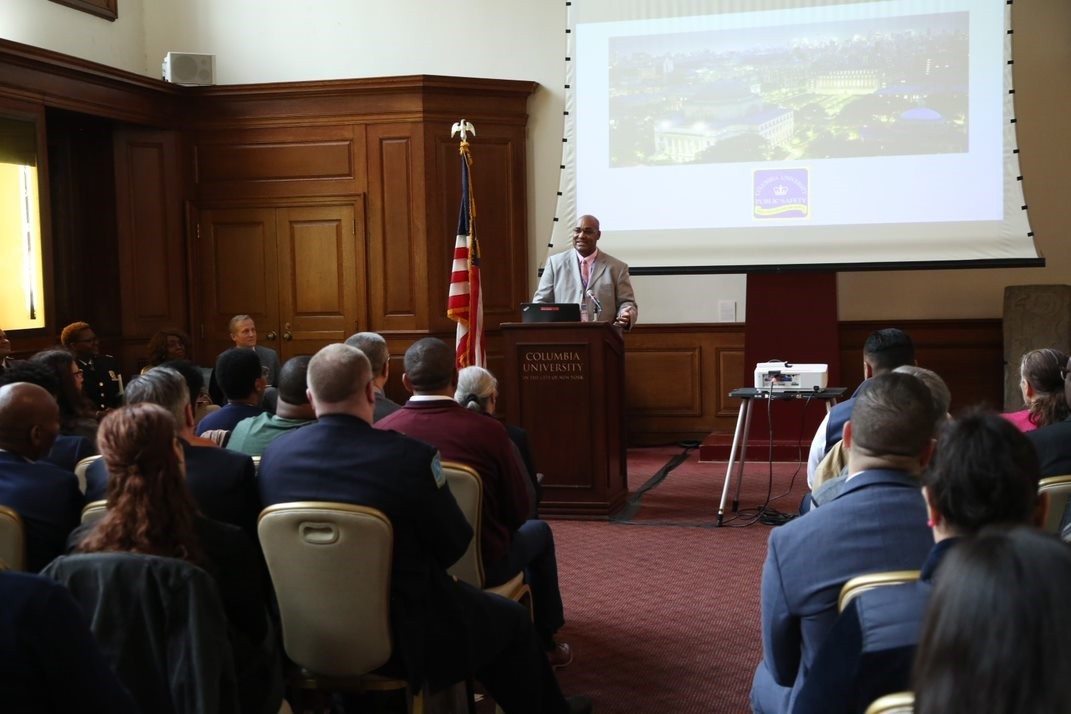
pixel 76 411
pixel 244 334
pixel 151 511
pixel 375 349
pixel 67 450
pixel 445 630
pixel 49 661
pixel 878 523
pixel 832 473
pixel 477 389
pixel 45 497
pixel 102 378
pixel 199 399
pixel 1053 445
pixel 997 636
pixel 222 482
pixel 1042 384
pixel 883 351
pixel 5 352
pixel 239 374
pixel 293 410
pixel 984 472
pixel 511 541
pixel 590 277
pixel 168 345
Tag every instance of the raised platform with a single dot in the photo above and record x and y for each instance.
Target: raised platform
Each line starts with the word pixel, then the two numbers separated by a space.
pixel 716 448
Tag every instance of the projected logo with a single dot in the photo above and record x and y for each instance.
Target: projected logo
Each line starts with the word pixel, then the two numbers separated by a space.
pixel 781 193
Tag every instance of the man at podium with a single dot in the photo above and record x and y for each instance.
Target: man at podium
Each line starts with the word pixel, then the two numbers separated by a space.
pixel 586 275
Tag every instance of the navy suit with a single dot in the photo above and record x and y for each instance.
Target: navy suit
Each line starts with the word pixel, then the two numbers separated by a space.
pixel 223 484
pixel 47 499
pixel 444 629
pixel 877 524
pixel 871 648
pixel 68 451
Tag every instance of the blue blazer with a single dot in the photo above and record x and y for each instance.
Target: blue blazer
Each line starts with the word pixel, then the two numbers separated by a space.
pixel 878 523
pixel 68 451
pixel 47 499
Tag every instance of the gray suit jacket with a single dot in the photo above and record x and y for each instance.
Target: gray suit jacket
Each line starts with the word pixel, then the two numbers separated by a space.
pixel 878 523
pixel 609 280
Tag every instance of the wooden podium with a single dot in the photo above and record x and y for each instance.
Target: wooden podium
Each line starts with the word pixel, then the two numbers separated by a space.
pixel 564 384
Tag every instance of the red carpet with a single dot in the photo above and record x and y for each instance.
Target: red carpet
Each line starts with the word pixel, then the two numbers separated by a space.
pixel 663 609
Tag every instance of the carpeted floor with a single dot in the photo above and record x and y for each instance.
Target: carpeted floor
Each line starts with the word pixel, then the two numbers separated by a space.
pixel 662 608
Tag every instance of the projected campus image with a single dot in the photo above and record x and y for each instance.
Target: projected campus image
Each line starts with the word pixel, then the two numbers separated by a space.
pixel 888 87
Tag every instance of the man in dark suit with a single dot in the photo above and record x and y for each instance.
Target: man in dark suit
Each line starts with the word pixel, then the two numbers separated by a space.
pixel 511 542
pixel 444 629
pixel 375 349
pixel 223 482
pixel 68 449
pixel 45 497
pixel 5 352
pixel 102 378
pixel 878 523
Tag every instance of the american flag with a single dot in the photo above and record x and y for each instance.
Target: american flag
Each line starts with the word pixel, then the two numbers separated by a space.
pixel 465 303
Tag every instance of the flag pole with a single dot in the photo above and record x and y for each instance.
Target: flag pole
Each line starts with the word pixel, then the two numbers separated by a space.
pixel 465 299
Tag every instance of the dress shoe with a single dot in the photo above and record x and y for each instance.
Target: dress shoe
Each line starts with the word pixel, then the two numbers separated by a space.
pixel 560 656
pixel 579 704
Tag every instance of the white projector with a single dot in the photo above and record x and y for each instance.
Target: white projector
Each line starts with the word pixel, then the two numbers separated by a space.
pixel 774 376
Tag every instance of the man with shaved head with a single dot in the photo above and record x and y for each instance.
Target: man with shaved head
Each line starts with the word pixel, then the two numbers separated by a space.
pixel 444 630
pixel 45 497
pixel 594 279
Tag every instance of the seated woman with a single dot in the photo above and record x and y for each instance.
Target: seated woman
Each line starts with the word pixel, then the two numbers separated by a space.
pixel 151 510
pixel 997 636
pixel 1042 385
pixel 76 411
pixel 165 346
pixel 983 472
pixel 477 389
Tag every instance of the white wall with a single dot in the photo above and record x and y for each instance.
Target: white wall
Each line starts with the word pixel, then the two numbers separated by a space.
pixel 277 40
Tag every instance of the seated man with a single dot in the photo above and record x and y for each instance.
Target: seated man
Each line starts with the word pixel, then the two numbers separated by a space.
pixel 445 630
pixel 102 380
pixel 68 449
pixel 45 497
pixel 252 435
pixel 883 351
pixel 5 352
pixel 375 349
pixel 223 483
pixel 511 542
pixel 878 523
pixel 239 374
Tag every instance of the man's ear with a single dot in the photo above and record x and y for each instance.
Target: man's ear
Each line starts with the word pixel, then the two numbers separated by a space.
pixel 846 434
pixel 190 422
pixel 931 508
pixel 406 383
pixel 927 453
pixel 868 371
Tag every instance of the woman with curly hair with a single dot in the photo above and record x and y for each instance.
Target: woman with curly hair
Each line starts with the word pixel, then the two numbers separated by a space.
pixel 76 411
pixel 167 345
pixel 151 511
pixel 1042 384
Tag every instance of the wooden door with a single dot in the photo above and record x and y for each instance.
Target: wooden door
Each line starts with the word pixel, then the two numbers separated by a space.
pixel 238 264
pixel 319 277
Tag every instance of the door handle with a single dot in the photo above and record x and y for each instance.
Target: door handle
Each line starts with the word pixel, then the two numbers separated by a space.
pixel 286 332
pixel 271 336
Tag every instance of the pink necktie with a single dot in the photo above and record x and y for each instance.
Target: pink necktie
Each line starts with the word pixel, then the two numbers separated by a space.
pixel 585 272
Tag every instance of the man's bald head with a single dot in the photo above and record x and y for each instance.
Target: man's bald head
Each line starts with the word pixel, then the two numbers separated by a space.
pixel 429 367
pixel 339 382
pixel 29 420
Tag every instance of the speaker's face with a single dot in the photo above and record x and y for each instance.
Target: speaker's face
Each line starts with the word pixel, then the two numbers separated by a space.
pixel 245 334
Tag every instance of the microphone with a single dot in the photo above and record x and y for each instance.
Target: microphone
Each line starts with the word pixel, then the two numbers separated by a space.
pixel 594 301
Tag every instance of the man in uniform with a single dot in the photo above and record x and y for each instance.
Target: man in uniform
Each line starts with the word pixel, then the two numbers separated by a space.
pixel 103 381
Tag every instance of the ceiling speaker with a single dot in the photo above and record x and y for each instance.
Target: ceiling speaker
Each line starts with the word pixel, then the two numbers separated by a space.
pixel 189 69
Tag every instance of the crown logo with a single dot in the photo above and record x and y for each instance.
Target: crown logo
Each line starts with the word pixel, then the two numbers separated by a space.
pixel 780 189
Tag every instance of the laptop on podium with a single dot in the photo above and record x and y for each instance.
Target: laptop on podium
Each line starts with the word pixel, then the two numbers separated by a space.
pixel 550 312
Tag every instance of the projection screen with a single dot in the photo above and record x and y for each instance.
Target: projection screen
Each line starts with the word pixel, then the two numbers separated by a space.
pixel 760 135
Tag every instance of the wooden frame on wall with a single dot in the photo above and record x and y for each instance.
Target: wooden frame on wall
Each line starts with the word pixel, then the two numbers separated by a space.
pixel 108 9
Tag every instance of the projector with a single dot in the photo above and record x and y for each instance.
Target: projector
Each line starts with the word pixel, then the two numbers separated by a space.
pixel 784 376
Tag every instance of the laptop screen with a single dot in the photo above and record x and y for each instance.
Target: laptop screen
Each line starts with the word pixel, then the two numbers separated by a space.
pixel 550 312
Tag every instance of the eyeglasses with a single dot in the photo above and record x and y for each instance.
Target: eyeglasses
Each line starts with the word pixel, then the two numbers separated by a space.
pixel 78 373
pixel 588 231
